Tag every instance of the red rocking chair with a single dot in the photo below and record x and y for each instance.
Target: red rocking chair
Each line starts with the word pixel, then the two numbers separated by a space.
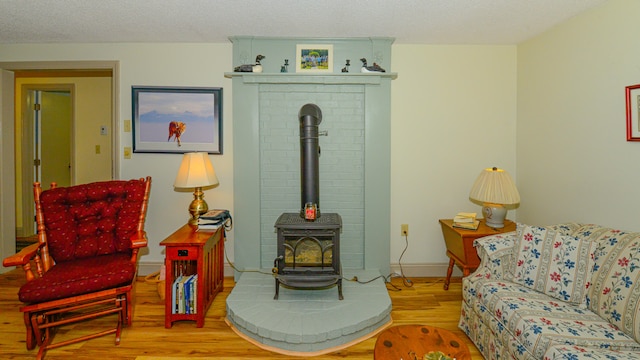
pixel 85 259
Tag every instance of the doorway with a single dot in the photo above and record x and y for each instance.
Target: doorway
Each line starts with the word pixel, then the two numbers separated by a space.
pixel 64 134
pixel 46 154
pixel 9 110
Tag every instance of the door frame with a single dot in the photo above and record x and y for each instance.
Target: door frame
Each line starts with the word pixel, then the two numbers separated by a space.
pixel 28 207
pixel 7 132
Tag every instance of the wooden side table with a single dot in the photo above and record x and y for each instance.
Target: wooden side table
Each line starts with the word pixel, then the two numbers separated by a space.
pixel 191 251
pixel 460 248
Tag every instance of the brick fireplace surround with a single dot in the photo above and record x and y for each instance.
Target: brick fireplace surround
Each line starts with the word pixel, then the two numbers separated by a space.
pixel 355 160
pixel 354 182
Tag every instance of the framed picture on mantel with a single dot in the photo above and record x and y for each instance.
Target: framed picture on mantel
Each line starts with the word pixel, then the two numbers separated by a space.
pixel 314 58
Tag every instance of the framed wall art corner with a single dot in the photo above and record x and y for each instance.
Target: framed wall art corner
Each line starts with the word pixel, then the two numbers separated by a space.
pixel 176 119
pixel 633 112
pixel 314 58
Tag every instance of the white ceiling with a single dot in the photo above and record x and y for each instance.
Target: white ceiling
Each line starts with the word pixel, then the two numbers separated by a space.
pixel 409 21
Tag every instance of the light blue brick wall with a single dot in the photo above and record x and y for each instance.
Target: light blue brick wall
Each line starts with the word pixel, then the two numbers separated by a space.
pixel 341 161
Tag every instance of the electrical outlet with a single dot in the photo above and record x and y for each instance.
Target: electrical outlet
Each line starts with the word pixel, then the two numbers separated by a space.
pixel 127 126
pixel 404 230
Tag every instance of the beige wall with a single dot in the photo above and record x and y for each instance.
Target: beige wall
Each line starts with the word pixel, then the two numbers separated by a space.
pixel 574 163
pixel 92 108
pixel 156 65
pixel 453 114
pixel 454 111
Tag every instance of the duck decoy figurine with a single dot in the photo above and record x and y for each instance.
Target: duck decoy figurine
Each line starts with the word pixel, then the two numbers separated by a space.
pixel 257 67
pixel 374 68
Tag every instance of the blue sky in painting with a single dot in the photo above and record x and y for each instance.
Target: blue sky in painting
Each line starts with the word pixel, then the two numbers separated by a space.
pixel 157 109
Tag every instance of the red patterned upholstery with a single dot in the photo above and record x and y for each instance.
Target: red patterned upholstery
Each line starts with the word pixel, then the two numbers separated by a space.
pixel 86 257
pixel 79 277
pixel 92 219
pixel 88 231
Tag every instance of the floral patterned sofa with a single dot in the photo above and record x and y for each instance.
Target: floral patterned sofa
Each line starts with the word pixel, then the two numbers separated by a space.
pixel 568 291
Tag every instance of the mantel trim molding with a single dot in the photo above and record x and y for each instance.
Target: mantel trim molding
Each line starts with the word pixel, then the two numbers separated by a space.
pixel 325 79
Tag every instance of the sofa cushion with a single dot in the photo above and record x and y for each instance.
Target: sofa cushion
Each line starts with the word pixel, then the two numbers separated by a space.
pixel 537 321
pixel 79 277
pixel 614 292
pixel 588 353
pixel 552 263
pixel 91 219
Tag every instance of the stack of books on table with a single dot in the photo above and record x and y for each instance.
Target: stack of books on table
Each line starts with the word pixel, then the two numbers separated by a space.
pixel 213 219
pixel 465 220
pixel 184 294
pixel 206 224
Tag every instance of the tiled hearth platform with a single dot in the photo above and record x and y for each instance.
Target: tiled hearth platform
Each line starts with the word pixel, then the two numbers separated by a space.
pixel 308 322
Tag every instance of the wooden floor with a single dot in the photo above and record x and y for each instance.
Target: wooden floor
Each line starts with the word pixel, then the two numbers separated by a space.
pixel 423 303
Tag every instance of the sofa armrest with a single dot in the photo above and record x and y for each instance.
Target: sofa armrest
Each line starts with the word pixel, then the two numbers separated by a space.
pixel 495 254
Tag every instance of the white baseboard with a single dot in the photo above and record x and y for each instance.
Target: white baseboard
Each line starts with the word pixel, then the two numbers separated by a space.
pixel 425 270
pixel 146 268
pixel 409 270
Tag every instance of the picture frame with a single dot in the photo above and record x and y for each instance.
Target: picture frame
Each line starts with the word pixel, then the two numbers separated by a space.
pixel 314 58
pixel 633 112
pixel 176 119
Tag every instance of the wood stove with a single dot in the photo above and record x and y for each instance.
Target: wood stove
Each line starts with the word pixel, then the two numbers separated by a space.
pixel 309 241
pixel 308 252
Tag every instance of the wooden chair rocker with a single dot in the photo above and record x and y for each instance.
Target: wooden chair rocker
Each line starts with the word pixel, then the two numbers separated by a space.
pixel 85 258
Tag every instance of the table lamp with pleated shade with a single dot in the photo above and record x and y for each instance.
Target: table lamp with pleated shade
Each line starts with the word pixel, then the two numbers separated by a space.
pixel 196 171
pixel 494 188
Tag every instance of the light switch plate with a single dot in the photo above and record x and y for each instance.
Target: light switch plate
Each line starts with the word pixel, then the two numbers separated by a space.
pixel 127 152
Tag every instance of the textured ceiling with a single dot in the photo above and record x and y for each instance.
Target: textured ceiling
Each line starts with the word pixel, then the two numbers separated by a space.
pixel 409 21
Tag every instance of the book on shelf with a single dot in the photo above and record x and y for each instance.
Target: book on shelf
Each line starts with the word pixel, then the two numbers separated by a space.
pixel 469 225
pixel 466 220
pixel 207 225
pixel 174 295
pixel 184 294
pixel 464 217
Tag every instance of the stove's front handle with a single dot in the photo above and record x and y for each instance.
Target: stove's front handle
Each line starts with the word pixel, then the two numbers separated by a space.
pixel 276 265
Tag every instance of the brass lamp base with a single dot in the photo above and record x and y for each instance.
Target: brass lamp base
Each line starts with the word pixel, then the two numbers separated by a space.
pixel 198 206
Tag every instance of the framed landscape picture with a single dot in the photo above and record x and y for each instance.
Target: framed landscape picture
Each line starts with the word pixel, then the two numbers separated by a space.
pixel 176 119
pixel 314 58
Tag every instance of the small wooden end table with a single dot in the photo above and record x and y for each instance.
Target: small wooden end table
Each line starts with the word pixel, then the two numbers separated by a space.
pixel 460 248
pixel 407 341
pixel 191 251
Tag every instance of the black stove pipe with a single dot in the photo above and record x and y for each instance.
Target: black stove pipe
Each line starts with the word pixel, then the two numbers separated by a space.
pixel 310 117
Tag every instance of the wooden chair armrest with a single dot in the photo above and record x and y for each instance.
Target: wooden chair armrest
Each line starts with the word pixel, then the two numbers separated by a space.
pixel 23 256
pixel 139 240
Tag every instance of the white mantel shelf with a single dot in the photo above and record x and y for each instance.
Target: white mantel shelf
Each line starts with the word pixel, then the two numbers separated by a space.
pixel 317 78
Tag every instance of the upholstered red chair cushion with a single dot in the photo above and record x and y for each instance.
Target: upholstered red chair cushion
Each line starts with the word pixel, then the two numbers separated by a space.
pixel 92 219
pixel 71 278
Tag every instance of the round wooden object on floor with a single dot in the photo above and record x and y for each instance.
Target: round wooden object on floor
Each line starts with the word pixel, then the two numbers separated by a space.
pixel 404 341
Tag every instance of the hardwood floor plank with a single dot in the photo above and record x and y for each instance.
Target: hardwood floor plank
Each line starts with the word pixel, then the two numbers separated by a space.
pixel 424 303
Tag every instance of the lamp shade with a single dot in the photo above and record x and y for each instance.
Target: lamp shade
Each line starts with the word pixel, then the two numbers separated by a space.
pixel 196 171
pixel 495 186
